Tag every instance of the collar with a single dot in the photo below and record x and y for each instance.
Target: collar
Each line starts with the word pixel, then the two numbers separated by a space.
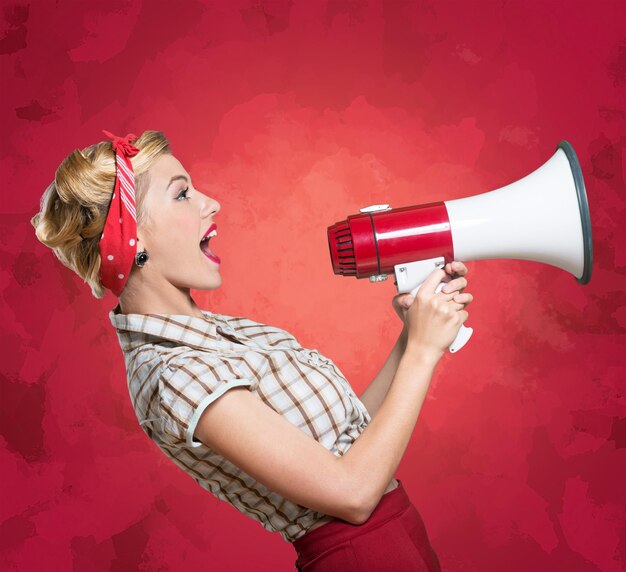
pixel 207 333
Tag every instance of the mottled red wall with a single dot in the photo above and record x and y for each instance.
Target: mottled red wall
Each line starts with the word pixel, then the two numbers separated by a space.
pixel 294 115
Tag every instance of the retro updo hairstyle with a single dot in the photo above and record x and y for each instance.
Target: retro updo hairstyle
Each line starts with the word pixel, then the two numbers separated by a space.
pixel 74 206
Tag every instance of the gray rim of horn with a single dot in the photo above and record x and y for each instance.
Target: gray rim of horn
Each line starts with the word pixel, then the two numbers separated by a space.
pixel 583 205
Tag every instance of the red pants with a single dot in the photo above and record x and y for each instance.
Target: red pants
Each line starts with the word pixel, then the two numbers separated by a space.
pixel 392 539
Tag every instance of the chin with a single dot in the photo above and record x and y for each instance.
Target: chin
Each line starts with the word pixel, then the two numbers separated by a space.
pixel 211 285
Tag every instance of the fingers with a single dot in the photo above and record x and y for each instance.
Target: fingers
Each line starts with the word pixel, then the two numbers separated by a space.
pixel 464 298
pixel 456 284
pixel 405 300
pixel 456 267
pixel 451 274
pixel 460 300
pixel 432 281
pixel 456 307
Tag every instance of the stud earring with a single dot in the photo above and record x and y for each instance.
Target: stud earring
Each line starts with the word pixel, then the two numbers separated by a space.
pixel 141 258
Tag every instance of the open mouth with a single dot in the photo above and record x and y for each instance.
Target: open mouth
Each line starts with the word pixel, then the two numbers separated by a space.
pixel 204 245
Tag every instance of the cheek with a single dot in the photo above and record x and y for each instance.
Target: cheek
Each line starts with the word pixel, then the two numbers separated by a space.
pixel 182 237
pixel 174 238
pixel 179 226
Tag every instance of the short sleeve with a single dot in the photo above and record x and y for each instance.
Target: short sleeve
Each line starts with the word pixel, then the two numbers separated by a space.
pixel 188 385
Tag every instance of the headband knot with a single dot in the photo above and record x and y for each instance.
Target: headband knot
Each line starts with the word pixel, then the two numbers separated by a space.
pixel 123 145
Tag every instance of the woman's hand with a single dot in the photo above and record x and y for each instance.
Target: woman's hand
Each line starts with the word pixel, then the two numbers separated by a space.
pixel 453 270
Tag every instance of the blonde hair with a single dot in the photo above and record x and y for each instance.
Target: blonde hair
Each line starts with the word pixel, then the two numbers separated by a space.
pixel 74 206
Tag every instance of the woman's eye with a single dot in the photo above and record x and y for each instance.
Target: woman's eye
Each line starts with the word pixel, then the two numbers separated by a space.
pixel 185 191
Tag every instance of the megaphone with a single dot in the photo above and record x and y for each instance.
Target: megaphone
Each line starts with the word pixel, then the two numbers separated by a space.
pixel 543 217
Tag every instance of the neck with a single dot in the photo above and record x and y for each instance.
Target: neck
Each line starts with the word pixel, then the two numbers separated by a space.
pixel 140 299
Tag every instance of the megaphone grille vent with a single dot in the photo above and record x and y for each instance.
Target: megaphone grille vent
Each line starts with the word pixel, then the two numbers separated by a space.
pixel 342 249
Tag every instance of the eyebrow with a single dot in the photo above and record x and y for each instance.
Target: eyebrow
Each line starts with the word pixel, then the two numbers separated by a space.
pixel 176 178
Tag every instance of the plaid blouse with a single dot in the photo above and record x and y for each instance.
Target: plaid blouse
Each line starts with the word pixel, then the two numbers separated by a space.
pixel 178 364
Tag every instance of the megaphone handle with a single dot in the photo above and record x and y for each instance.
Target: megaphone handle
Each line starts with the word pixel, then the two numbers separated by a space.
pixel 461 338
pixel 464 333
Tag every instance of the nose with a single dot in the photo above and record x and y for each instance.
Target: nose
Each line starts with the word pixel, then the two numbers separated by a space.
pixel 210 206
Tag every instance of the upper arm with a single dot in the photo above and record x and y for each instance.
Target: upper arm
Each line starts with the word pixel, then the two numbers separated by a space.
pixel 259 441
pixel 206 399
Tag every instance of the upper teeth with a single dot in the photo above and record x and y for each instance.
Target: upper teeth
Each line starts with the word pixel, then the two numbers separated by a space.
pixel 212 233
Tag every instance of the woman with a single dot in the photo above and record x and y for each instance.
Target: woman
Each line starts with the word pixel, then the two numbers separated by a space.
pixel 285 439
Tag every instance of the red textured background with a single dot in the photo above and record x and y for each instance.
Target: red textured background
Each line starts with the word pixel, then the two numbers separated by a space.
pixel 294 115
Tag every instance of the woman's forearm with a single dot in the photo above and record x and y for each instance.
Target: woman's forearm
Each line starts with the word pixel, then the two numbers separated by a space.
pixel 374 457
pixel 376 391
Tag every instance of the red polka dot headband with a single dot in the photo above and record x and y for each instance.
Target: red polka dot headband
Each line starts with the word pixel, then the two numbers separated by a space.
pixel 118 242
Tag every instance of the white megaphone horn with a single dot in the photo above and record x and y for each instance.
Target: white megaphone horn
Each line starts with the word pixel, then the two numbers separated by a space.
pixel 543 217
